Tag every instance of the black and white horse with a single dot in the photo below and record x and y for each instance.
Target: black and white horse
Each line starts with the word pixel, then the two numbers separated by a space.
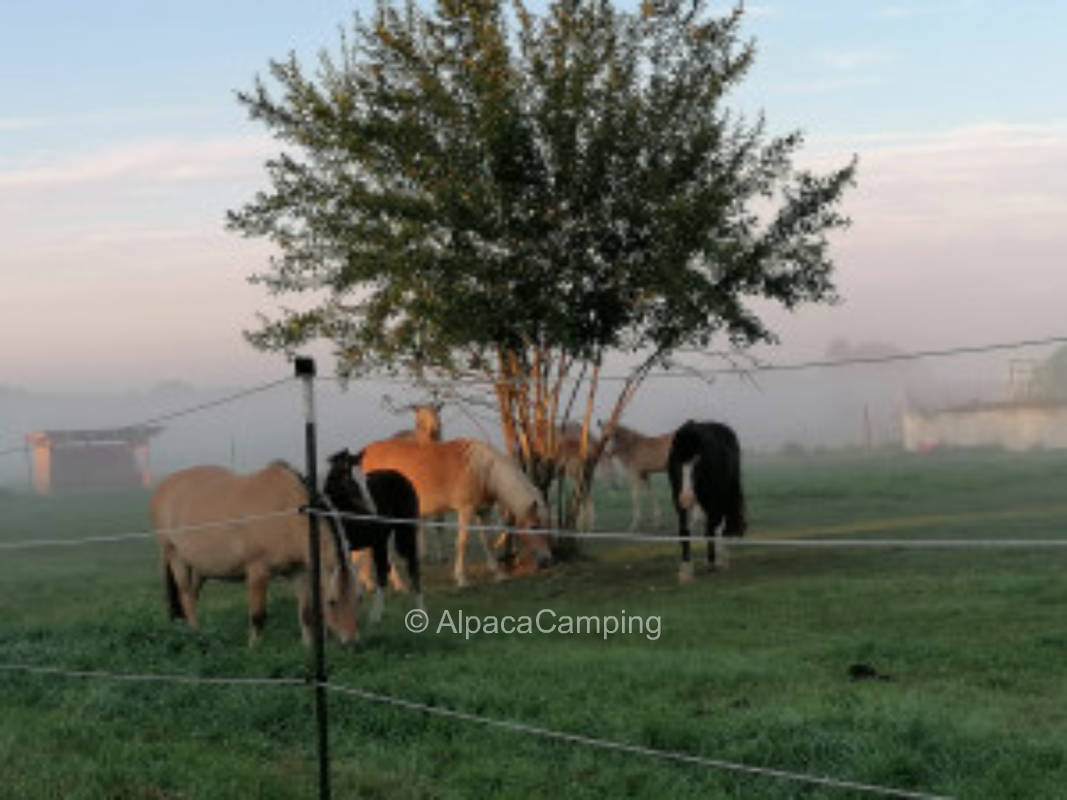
pixel 704 467
pixel 387 494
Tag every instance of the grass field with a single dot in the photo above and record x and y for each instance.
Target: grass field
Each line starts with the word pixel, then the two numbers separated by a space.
pixel 752 665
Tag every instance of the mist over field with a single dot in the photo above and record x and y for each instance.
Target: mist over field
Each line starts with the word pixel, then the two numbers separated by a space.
pixel 814 408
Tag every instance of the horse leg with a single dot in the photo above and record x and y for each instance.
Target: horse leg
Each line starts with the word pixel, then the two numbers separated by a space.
pixel 303 607
pixel 635 501
pixel 685 571
pixel 490 557
pixel 184 581
pixel 436 534
pixel 395 581
pixel 404 538
pixel 463 519
pixel 717 554
pixel 257 578
pixel 657 518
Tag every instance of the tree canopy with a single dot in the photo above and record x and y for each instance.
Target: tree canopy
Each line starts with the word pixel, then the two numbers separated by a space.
pixel 479 188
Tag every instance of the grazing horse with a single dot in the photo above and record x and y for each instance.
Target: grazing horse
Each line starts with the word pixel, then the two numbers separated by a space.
pixel 389 495
pixel 704 468
pixel 191 512
pixel 640 456
pixel 466 476
pixel 571 461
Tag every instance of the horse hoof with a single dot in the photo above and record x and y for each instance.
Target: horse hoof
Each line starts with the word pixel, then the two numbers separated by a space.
pixel 685 572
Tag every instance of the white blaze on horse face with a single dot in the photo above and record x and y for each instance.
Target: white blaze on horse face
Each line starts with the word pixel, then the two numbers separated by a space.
pixel 685 494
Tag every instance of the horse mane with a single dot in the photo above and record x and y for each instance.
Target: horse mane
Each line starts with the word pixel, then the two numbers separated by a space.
pixel 624 438
pixel 335 524
pixel 500 476
pixel 281 463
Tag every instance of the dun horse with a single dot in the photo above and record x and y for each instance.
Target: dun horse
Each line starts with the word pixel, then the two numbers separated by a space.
pixel 465 476
pixel 705 473
pixel 571 460
pixel 640 456
pixel 190 510
pixel 389 495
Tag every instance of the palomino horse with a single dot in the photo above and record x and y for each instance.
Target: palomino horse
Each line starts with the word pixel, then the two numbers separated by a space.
pixel 389 495
pixel 427 429
pixel 427 423
pixel 640 456
pixel 192 512
pixel 465 476
pixel 704 467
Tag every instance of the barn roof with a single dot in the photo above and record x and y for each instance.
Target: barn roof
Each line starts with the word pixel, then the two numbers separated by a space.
pixel 131 434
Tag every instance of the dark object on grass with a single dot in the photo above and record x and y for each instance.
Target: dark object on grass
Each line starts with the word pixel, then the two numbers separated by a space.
pixel 865 672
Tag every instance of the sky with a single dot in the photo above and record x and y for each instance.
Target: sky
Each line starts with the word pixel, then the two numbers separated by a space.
pixel 122 145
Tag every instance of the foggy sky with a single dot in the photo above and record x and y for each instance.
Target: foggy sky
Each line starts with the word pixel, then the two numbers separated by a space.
pixel 117 273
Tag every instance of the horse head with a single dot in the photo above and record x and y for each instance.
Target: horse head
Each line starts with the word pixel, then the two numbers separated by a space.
pixel 533 524
pixel 346 486
pixel 345 490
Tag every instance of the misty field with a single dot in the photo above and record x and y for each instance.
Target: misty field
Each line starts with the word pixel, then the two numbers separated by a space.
pixel 752 665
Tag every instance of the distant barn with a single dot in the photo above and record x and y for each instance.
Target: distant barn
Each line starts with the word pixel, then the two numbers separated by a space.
pixel 1013 426
pixel 85 460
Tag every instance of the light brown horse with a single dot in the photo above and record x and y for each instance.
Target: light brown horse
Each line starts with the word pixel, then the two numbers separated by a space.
pixel 640 456
pixel 427 429
pixel 427 423
pixel 271 542
pixel 466 476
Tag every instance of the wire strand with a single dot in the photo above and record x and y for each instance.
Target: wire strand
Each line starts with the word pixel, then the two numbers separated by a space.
pixel 506 724
pixel 691 372
pixel 734 541
pixel 623 747
pixel 29 544
pixel 62 672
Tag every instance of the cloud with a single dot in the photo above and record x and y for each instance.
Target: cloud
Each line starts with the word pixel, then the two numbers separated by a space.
pixel 991 180
pixel 849 60
pixel 154 161
pixel 8 124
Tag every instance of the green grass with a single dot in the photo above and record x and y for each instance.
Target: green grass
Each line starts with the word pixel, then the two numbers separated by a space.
pixel 752 664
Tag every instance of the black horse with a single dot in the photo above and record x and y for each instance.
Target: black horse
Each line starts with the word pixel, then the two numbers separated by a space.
pixel 393 498
pixel 704 467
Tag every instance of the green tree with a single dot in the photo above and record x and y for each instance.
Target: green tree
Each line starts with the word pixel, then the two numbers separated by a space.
pixel 479 190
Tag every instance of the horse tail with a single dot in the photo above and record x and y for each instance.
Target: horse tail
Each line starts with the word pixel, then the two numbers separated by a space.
pixel 736 513
pixel 171 597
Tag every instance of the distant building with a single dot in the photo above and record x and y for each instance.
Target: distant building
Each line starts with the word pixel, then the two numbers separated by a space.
pixel 1013 426
pixel 80 460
